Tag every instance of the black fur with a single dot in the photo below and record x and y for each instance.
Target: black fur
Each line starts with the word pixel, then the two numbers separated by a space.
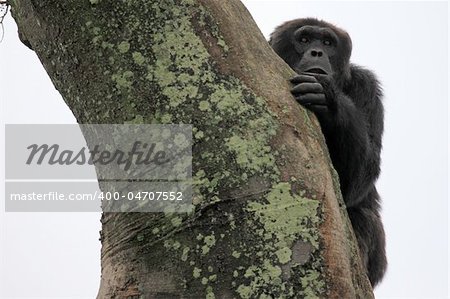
pixel 347 101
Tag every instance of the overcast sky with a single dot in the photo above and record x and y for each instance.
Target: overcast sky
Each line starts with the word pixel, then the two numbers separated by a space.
pixel 405 43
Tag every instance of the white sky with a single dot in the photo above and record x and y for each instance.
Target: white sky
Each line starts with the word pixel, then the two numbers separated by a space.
pixel 406 43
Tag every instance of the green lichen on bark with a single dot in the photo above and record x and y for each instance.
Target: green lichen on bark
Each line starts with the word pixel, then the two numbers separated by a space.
pixel 151 66
pixel 286 218
pixel 233 114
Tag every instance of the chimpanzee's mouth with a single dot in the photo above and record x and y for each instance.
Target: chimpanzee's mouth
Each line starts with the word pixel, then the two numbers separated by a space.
pixel 317 70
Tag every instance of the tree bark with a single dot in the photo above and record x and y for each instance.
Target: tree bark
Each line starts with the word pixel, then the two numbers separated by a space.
pixel 269 220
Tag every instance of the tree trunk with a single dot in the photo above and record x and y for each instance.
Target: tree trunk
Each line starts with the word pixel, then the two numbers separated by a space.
pixel 269 221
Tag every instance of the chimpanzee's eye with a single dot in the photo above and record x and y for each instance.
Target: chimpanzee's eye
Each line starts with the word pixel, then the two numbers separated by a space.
pixel 304 40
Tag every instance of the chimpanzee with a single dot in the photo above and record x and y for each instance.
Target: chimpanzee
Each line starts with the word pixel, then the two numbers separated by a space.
pixel 346 99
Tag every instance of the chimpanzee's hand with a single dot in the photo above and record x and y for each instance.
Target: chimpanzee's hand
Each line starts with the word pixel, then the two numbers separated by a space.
pixel 314 91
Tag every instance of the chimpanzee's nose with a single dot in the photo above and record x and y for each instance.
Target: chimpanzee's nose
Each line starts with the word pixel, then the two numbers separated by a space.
pixel 316 53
